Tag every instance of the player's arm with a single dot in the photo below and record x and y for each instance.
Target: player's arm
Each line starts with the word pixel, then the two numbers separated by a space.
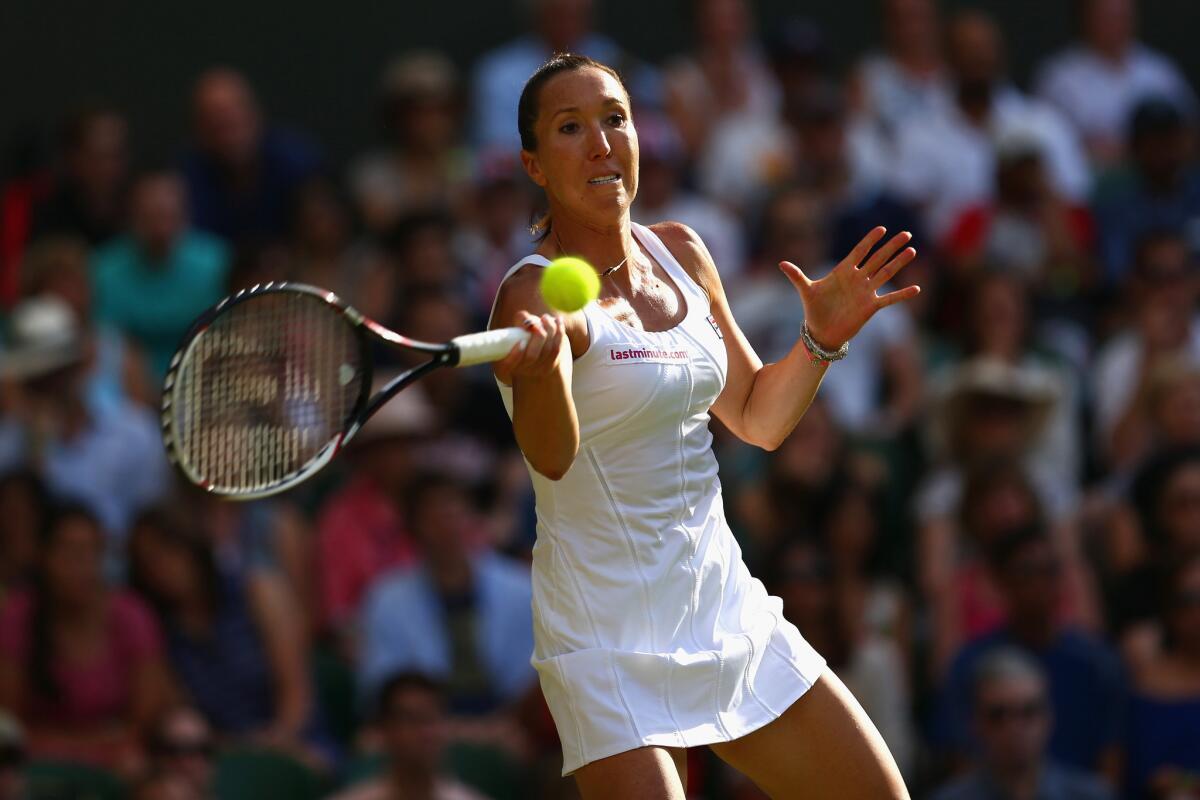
pixel 760 404
pixel 544 419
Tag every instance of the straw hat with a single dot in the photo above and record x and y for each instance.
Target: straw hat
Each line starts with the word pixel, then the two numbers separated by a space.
pixel 43 336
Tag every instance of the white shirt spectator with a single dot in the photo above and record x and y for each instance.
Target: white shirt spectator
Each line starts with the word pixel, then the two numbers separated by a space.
pixel 720 230
pixel 1115 377
pixel 1097 95
pixel 945 163
pixel 891 96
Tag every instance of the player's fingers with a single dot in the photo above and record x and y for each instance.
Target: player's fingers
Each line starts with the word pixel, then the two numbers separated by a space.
pixel 554 332
pixel 880 257
pixel 899 296
pixel 892 267
pixel 863 247
pixel 795 275
pixel 537 337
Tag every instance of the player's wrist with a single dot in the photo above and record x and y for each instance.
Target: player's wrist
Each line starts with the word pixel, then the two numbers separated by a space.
pixel 818 353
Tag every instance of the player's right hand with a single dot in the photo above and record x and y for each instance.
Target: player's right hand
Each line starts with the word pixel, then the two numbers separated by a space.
pixel 538 356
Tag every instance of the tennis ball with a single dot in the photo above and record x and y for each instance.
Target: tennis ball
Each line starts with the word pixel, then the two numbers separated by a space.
pixel 569 284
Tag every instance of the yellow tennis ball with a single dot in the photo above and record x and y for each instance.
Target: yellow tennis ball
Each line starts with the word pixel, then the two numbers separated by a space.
pixel 569 284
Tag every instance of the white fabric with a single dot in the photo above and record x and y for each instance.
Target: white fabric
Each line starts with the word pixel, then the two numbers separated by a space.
pixel 648 628
pixel 946 163
pixel 1098 95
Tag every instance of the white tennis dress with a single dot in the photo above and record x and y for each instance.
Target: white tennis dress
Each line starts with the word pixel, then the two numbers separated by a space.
pixel 648 628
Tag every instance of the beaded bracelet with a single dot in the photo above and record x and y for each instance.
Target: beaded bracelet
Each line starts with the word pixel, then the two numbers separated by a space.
pixel 818 354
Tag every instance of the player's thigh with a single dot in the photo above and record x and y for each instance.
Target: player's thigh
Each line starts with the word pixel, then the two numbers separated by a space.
pixel 653 773
pixel 823 746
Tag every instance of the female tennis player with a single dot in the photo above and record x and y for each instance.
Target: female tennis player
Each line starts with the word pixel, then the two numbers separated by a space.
pixel 651 635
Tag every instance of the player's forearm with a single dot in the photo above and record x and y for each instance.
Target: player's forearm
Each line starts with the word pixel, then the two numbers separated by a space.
pixel 545 421
pixel 779 396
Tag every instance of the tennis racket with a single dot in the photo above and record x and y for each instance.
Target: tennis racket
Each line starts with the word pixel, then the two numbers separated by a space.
pixel 272 382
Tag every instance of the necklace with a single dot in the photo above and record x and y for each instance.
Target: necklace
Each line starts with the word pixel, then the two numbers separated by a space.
pixel 605 273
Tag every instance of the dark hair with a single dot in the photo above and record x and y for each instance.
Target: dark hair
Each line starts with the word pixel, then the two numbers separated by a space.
pixel 1014 542
pixel 79 123
pixel 424 483
pixel 179 533
pixel 1147 490
pixel 1172 573
pixel 986 478
pixel 41 651
pixel 401 681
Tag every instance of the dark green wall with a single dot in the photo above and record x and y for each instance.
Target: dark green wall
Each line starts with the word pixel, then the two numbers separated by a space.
pixel 316 64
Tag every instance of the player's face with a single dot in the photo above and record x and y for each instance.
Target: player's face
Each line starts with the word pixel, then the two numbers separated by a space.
pixel 587 154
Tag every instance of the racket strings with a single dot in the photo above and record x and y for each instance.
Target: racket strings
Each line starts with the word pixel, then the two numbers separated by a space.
pixel 264 389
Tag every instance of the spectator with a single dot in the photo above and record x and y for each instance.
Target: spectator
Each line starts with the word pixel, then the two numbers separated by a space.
pixel 871 666
pixel 909 79
pixel 558 26
pixel 1162 293
pixel 724 76
pixel 1162 749
pixel 411 716
pixel 1098 81
pixel 160 786
pixel 1083 674
pixel 1012 720
pixel 466 619
pixel 1158 190
pixel 424 165
pixel 153 282
pixel 117 371
pixel 181 745
pixel 26 507
pixel 88 199
pixel 110 459
pixel 662 196
pixel 361 528
pixel 12 759
pixel 234 637
pixel 945 161
pixel 242 174
pixel 80 663
pixel 796 229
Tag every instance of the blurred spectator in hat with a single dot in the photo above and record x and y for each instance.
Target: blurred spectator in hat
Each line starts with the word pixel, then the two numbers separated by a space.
pixel 800 573
pixel 155 280
pixel 796 227
pixel 423 164
pixel 88 199
pixel 242 173
pixel 1084 677
pixel 945 161
pixel 110 459
pixel 466 619
pixel 1027 229
pixel 1011 719
pixel 909 78
pixel 1098 81
pixel 12 759
pixel 1161 746
pixel 1162 292
pixel 724 75
pixel 26 509
pixel 661 194
pixel 495 233
pixel 361 528
pixel 59 267
pixel 80 662
pixel 1158 189
pixel 414 729
pixel 555 26
pixel 180 744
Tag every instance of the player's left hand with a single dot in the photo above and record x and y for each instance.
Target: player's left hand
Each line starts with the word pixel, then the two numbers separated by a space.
pixel 838 305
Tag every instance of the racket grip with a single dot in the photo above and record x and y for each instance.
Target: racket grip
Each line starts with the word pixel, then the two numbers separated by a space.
pixel 480 348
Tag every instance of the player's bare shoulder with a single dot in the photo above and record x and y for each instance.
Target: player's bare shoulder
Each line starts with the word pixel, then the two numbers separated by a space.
pixel 691 253
pixel 519 292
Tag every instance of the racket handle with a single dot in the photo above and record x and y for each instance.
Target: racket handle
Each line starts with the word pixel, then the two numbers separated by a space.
pixel 480 348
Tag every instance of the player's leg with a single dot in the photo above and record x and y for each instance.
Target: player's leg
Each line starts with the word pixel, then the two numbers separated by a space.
pixel 824 746
pixel 653 773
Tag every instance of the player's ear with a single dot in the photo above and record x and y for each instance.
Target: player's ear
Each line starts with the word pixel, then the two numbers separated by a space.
pixel 532 168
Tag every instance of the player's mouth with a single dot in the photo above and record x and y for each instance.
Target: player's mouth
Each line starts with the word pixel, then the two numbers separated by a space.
pixel 605 180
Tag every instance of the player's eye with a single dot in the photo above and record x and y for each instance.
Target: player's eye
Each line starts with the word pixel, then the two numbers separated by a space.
pixel 617 120
pixel 569 127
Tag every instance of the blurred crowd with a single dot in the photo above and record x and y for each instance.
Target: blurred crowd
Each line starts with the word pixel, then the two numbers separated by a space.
pixel 988 523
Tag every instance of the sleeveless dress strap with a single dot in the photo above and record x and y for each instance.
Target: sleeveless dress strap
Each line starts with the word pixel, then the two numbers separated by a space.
pixel 662 255
pixel 532 258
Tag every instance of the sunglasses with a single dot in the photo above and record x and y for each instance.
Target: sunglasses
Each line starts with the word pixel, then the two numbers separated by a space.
pixel 1000 713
